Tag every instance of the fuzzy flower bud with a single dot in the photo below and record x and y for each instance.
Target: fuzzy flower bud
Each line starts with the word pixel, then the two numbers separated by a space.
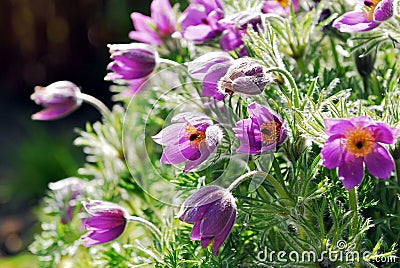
pixel 59 99
pixel 212 209
pixel 245 76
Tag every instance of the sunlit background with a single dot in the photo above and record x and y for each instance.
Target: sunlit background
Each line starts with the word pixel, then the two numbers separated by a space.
pixel 43 41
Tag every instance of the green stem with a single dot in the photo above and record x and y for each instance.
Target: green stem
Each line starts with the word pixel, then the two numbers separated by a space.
pixel 292 83
pixel 302 66
pixel 101 107
pixel 335 54
pixel 396 200
pixel 354 208
pixel 156 232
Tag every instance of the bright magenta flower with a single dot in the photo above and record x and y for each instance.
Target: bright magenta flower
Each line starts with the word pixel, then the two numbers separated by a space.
pixel 353 142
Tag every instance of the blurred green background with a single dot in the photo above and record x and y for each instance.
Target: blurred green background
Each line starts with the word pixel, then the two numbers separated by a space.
pixel 43 41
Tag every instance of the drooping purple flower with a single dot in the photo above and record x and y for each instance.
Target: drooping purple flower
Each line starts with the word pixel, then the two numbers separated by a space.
pixel 106 222
pixel 191 139
pixel 131 61
pixel 245 76
pixel 200 20
pixel 209 68
pixel 212 209
pixel 260 133
pixel 369 15
pixel 152 30
pixel 67 193
pixel 280 7
pixel 59 99
pixel 353 142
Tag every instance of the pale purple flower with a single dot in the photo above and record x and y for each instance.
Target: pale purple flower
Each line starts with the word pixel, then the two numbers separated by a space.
pixel 152 30
pixel 59 99
pixel 353 142
pixel 200 20
pixel 280 7
pixel 369 15
pixel 131 61
pixel 190 138
pixel 212 209
pixel 67 193
pixel 209 69
pixel 260 133
pixel 106 222
pixel 245 76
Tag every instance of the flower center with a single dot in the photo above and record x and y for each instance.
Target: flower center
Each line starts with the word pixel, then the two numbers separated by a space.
pixel 196 137
pixel 369 8
pixel 270 132
pixel 359 141
pixel 283 3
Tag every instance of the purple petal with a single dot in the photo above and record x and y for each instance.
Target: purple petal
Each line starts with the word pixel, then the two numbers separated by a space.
pixel 145 37
pixel 199 67
pixel 205 241
pixel 193 15
pixel 99 237
pixel 173 154
pixel 332 152
pixel 142 22
pixel 384 10
pixel 195 234
pixel 219 239
pixel 170 135
pixel 248 132
pixel 210 82
pixel 198 33
pixel 262 114
pixel 354 21
pixel 54 112
pixel 384 133
pixel 163 16
pixel 273 6
pixel 351 171
pixel 104 222
pixel 336 126
pixel 205 152
pixel 379 163
pixel 231 39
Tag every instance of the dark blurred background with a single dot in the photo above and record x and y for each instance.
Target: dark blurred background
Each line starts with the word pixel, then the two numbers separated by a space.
pixel 43 41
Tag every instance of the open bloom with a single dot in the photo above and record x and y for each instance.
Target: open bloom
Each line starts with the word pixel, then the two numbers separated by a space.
pixel 370 14
pixel 152 30
pixel 245 76
pixel 200 20
pixel 212 209
pixel 280 7
pixel 59 99
pixel 210 68
pixel 67 192
pixel 106 222
pixel 353 142
pixel 131 61
pixel 190 139
pixel 260 133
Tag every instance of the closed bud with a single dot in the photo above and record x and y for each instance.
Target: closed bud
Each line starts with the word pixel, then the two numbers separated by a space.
pixel 245 76
pixel 59 99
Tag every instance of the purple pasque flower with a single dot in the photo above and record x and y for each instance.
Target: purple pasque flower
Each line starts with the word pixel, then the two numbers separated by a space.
pixel 209 68
pixel 152 30
pixel 59 99
pixel 67 192
pixel 280 7
pixel 200 20
pixel 260 133
pixel 245 76
pixel 370 15
pixel 191 139
pixel 353 142
pixel 212 209
pixel 131 61
pixel 105 223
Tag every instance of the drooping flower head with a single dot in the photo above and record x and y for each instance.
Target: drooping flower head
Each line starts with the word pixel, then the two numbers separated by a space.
pixel 209 68
pixel 131 61
pixel 245 76
pixel 280 7
pixel 369 15
pixel 67 192
pixel 152 30
pixel 106 222
pixel 59 99
pixel 212 209
pixel 191 139
pixel 200 20
pixel 260 133
pixel 353 142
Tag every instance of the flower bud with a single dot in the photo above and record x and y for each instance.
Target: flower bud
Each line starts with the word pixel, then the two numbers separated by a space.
pixel 245 76
pixel 131 61
pixel 59 99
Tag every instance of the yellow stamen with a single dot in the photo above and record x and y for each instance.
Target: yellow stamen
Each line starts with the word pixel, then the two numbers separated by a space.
pixel 283 3
pixel 196 137
pixel 270 132
pixel 359 141
pixel 369 8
